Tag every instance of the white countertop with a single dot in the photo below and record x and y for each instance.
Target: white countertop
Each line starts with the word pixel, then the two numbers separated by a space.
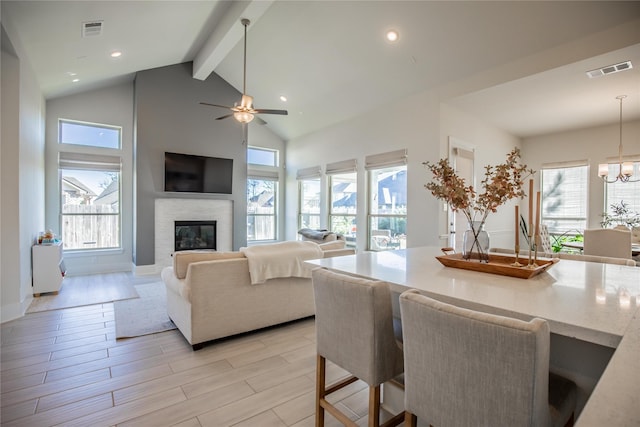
pixel 590 301
pixel 566 295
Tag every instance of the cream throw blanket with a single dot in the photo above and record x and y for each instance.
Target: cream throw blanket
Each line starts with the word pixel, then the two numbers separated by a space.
pixel 282 259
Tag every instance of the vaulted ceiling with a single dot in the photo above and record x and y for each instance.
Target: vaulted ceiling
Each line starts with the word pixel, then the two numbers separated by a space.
pixel 520 65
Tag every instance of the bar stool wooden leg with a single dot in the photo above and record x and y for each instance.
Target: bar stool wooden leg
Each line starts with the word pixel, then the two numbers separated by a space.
pixel 320 390
pixel 374 406
pixel 410 420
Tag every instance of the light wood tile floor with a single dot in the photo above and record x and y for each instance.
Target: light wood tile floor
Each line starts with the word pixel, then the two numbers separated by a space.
pixel 64 367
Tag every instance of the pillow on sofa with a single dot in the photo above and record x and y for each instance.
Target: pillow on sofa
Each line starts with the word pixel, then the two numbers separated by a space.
pixel 336 244
pixel 182 259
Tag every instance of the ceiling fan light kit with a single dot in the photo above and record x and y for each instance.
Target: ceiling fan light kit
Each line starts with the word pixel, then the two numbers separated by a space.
pixel 625 171
pixel 244 113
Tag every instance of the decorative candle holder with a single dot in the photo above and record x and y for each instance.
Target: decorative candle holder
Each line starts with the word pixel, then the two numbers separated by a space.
pixel 531 264
pixel 517 251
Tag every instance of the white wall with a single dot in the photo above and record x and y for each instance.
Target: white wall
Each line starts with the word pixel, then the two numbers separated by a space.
pixel 421 125
pixel 22 180
pixel 112 106
pixel 411 124
pixel 491 147
pixel 593 144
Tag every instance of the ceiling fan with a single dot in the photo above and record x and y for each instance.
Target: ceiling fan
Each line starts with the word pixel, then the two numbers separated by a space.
pixel 245 112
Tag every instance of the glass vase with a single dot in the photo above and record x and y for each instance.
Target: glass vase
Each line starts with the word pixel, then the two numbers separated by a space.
pixel 476 242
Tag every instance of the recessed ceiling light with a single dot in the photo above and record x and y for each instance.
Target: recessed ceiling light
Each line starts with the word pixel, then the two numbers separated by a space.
pixel 283 98
pixel 75 80
pixel 392 35
pixel 71 73
pixel 116 54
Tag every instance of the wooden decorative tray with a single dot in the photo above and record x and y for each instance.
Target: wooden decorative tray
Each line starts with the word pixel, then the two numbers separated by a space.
pixel 498 264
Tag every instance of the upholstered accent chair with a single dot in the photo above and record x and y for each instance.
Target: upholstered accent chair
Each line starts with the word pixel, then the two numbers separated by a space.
pixel 354 328
pixel 607 242
pixel 467 368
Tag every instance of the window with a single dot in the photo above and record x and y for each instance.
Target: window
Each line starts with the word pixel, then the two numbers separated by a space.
pixel 93 135
pixel 627 192
pixel 387 200
pixel 262 194
pixel 309 198
pixel 564 197
pixel 90 201
pixel 343 207
pixel 262 157
pixel 309 204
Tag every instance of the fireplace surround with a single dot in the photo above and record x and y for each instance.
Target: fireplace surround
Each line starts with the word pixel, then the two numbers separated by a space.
pixel 170 210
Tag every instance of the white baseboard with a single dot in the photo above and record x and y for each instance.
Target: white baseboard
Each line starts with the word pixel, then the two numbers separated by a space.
pixel 16 310
pixel 146 270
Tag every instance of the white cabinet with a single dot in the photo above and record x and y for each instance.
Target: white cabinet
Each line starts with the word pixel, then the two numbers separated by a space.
pixel 48 268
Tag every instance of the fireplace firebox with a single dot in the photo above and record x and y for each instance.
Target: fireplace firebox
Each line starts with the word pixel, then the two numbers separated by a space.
pixel 195 235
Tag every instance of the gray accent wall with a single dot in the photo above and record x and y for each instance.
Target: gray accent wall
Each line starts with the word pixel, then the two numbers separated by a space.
pixel 168 117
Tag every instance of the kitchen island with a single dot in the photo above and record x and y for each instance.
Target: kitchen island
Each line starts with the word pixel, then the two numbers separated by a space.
pixel 591 309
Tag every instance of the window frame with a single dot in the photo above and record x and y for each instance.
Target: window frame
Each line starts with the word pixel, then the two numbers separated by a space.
pixel 302 213
pixel 630 187
pixel 545 217
pixel 392 162
pixel 266 173
pixel 273 215
pixel 68 145
pixel 351 235
pixel 89 158
pixel 275 152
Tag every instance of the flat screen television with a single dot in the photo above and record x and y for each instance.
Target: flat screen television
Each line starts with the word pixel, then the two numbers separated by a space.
pixel 197 174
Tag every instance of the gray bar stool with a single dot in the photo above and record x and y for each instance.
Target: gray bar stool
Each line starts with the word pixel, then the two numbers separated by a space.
pixel 468 368
pixel 354 328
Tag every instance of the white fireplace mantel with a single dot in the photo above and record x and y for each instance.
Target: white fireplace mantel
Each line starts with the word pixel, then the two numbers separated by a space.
pixel 167 211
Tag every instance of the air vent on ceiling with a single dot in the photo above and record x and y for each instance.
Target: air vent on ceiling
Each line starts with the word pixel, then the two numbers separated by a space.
pixel 92 28
pixel 609 69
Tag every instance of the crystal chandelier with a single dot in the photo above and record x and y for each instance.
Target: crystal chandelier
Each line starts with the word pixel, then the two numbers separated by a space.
pixel 625 169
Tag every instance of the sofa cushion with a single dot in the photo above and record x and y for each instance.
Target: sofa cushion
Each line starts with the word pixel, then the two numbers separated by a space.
pixel 182 259
pixel 336 244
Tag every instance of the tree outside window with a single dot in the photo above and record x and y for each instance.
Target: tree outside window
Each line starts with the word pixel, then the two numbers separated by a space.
pixel 564 201
pixel 261 209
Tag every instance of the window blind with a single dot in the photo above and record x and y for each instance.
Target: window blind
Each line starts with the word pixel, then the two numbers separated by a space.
pixel 565 197
pixel 309 173
pixel 627 192
pixel 384 160
pixel 465 154
pixel 265 174
pixel 82 161
pixel 345 166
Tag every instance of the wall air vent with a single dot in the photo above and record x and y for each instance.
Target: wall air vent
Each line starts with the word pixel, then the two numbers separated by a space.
pixel 92 28
pixel 609 69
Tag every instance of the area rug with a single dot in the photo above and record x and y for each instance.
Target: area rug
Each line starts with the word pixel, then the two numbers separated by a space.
pixel 76 293
pixel 144 315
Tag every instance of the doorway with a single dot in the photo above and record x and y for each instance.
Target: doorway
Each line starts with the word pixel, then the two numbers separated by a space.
pixel 461 158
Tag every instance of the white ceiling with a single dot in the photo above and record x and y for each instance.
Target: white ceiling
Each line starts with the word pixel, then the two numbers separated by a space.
pixel 520 65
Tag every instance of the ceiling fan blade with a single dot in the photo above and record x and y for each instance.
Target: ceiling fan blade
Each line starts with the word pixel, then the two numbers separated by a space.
pixel 225 116
pixel 215 105
pixel 265 111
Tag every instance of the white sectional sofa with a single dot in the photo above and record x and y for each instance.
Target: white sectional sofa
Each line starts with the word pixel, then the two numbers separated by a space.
pixel 210 295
